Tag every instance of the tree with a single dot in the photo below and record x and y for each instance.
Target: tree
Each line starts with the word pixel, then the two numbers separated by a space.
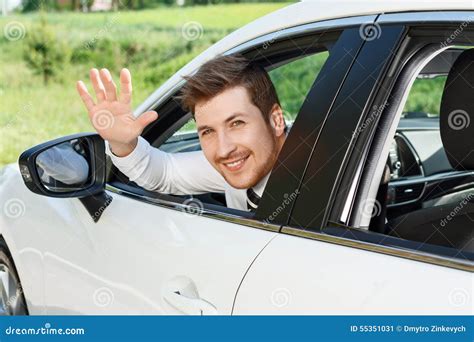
pixel 44 53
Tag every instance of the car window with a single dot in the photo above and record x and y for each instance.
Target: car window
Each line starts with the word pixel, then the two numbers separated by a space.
pixel 380 174
pixel 293 66
pixel 421 196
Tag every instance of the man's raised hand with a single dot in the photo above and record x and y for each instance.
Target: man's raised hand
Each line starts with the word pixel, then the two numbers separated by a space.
pixel 112 115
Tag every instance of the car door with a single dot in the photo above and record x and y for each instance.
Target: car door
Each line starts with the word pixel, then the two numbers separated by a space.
pixel 157 254
pixel 325 264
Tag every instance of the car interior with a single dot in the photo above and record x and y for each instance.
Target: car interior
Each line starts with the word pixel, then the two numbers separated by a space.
pixel 426 192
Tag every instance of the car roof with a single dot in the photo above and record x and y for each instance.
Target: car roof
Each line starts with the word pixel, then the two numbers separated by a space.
pixel 318 10
pixel 301 13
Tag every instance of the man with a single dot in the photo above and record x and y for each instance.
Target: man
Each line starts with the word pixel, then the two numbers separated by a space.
pixel 239 122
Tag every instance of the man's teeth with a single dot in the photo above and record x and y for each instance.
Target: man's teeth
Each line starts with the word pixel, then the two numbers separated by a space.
pixel 238 162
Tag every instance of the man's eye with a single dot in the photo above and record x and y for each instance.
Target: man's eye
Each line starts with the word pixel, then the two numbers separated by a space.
pixel 237 123
pixel 206 132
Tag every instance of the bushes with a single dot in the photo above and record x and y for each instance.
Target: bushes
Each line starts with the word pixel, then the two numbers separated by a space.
pixel 157 55
pixel 100 53
pixel 44 53
pixel 159 74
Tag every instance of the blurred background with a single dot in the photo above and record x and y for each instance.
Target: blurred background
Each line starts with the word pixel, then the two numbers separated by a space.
pixel 47 45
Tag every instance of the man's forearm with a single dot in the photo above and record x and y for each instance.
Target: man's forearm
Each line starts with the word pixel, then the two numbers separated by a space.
pixel 135 163
pixel 171 173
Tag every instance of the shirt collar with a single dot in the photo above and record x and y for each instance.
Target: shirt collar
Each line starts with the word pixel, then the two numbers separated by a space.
pixel 260 186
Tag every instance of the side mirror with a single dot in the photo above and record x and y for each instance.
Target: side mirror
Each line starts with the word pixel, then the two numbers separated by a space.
pixel 71 166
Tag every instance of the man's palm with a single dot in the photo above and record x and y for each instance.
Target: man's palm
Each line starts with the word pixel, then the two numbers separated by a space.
pixel 112 115
pixel 114 121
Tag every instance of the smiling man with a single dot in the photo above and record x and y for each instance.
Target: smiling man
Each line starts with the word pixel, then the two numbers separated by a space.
pixel 239 121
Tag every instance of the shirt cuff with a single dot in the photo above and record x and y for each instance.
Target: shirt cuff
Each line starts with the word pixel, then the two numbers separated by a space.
pixel 139 152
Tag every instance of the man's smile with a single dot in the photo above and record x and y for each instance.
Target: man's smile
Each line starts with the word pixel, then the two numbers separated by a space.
pixel 236 165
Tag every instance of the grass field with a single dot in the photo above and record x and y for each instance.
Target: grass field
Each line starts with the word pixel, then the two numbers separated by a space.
pixel 150 43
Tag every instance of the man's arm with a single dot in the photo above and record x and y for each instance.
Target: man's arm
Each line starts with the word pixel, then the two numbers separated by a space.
pixel 112 117
pixel 171 173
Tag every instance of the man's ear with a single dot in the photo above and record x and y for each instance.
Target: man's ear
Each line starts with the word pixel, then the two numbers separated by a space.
pixel 277 121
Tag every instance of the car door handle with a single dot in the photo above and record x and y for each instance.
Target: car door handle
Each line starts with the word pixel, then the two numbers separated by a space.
pixel 189 306
pixel 181 294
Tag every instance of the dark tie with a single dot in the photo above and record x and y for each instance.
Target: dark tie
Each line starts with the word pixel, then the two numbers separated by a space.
pixel 252 200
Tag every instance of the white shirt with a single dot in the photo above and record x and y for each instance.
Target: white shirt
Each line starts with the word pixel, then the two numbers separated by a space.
pixel 186 173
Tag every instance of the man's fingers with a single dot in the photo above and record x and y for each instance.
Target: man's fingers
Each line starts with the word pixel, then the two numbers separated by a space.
pixel 109 85
pixel 125 86
pixel 85 96
pixel 97 84
pixel 146 118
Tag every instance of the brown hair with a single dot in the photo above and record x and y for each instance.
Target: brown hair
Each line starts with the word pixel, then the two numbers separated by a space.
pixel 224 72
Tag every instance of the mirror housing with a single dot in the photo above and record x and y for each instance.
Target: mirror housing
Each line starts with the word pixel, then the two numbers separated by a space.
pixel 32 172
pixel 73 166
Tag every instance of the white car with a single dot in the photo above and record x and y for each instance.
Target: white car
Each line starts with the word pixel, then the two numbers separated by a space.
pixel 369 209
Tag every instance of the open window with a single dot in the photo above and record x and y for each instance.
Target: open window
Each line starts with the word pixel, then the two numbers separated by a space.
pixel 293 63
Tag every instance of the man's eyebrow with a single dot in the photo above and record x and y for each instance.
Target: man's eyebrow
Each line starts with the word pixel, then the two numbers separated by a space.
pixel 202 128
pixel 230 118
pixel 233 116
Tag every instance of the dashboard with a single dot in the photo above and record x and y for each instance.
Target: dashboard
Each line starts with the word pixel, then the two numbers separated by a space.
pixel 420 173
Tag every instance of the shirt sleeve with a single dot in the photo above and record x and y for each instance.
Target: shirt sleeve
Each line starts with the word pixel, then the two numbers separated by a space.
pixel 187 173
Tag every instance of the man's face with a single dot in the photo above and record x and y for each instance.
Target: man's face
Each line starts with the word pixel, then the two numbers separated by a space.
pixel 236 139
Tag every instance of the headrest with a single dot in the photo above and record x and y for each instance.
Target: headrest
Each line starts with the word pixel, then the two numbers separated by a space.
pixel 457 113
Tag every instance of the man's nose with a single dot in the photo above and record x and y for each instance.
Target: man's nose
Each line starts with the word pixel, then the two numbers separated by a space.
pixel 225 146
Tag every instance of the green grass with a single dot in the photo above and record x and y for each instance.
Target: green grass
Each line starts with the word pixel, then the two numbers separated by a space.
pixel 293 81
pixel 229 16
pixel 149 42
pixel 425 95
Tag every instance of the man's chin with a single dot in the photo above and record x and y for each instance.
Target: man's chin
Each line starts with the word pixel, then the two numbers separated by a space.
pixel 239 182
